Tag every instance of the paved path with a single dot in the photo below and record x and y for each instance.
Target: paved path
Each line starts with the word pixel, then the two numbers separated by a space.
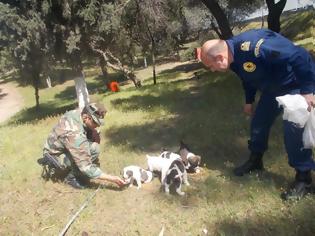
pixel 11 100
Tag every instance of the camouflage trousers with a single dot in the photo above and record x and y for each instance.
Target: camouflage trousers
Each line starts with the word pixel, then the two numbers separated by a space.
pixel 66 161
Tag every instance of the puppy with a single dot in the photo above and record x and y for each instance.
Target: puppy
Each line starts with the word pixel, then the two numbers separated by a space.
pixel 192 160
pixel 169 155
pixel 173 155
pixel 172 170
pixel 136 174
pixel 176 175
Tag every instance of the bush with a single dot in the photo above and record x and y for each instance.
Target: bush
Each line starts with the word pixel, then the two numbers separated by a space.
pixel 187 54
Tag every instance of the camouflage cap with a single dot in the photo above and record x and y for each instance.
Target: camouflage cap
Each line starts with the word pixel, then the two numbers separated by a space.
pixel 97 111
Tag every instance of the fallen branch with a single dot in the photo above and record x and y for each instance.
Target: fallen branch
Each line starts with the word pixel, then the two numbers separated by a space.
pixel 114 63
pixel 162 231
pixel 87 201
pixel 47 227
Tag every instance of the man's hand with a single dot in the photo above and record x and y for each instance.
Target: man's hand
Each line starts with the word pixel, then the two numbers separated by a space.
pixel 248 109
pixel 310 99
pixel 110 178
pixel 119 181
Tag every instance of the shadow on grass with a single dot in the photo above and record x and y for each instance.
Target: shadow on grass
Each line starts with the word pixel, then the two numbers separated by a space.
pixel 183 68
pixel 31 115
pixel 2 94
pixel 199 116
pixel 298 220
pixel 52 108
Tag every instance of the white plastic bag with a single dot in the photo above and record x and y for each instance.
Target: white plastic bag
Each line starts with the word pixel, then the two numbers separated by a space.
pixel 294 109
pixel 309 131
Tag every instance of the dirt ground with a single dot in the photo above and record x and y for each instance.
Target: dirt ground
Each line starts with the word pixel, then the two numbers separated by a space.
pixel 10 100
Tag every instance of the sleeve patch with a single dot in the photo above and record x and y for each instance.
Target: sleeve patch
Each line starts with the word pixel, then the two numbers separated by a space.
pixel 257 47
pixel 245 46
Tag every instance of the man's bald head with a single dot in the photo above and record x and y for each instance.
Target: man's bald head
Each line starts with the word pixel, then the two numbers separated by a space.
pixel 212 48
pixel 215 55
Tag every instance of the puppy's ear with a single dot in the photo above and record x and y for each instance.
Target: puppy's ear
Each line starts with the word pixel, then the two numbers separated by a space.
pixel 183 145
pixel 198 159
pixel 129 173
pixel 145 175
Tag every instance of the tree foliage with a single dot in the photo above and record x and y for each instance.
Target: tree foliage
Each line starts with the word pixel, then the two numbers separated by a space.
pixel 225 13
pixel 36 33
pixel 24 34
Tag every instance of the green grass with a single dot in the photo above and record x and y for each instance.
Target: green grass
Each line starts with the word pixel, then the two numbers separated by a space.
pixel 206 113
pixel 299 26
pixel 295 26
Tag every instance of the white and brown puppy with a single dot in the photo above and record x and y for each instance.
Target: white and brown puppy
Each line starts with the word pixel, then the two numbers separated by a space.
pixel 172 170
pixel 138 175
pixel 192 160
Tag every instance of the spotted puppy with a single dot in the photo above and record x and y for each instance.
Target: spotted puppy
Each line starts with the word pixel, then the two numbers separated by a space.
pixel 136 174
pixel 172 170
pixel 192 160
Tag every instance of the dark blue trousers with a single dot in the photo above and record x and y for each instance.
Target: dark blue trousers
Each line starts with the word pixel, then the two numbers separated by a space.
pixel 266 112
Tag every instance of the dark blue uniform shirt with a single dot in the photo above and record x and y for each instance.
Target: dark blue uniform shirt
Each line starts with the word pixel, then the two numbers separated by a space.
pixel 269 62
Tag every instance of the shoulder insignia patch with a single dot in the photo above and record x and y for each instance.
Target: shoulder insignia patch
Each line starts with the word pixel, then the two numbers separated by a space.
pixel 245 46
pixel 257 47
pixel 249 66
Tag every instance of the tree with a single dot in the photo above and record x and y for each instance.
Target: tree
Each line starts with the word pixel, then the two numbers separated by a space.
pixel 224 29
pixel 24 34
pixel 155 25
pixel 107 37
pixel 275 10
pixel 67 23
pixel 227 12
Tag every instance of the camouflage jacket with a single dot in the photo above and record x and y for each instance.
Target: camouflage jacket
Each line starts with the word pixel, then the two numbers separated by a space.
pixel 69 136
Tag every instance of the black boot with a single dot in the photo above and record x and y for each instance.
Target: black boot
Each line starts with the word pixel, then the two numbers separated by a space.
pixel 300 187
pixel 253 163
pixel 50 161
pixel 52 169
pixel 73 181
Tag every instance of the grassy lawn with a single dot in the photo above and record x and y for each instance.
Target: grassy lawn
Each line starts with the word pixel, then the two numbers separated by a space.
pixel 205 113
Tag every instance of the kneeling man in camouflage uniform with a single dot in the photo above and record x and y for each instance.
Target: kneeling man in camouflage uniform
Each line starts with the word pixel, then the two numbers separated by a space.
pixel 73 145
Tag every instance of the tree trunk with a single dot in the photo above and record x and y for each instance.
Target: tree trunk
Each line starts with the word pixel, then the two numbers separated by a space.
pixel 48 81
pixel 274 13
pixel 153 62
pixel 145 62
pixel 219 15
pixel 262 19
pixel 36 78
pixel 79 80
pixel 81 90
pixel 103 66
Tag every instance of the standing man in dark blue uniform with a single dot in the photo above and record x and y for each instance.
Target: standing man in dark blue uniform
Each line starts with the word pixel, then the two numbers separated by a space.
pixel 272 64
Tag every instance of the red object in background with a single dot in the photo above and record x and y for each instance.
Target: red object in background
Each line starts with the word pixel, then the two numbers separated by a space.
pixel 113 86
pixel 198 54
